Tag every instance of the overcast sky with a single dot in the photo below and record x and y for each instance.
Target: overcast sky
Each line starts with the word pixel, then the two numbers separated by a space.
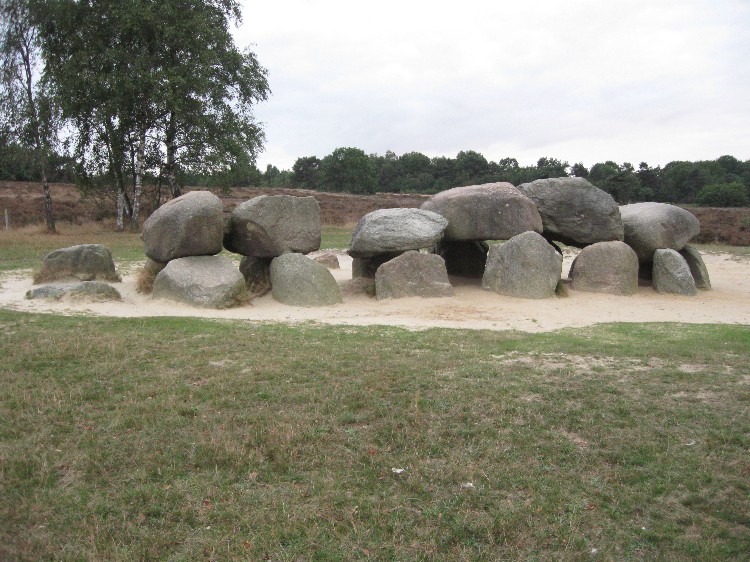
pixel 578 80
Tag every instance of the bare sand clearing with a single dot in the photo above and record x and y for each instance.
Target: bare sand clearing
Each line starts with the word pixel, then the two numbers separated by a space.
pixel 470 307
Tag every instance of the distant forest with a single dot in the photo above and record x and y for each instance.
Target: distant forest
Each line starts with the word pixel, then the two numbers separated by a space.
pixel 724 182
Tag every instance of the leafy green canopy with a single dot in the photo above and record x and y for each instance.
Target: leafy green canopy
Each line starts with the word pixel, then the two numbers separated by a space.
pixel 168 69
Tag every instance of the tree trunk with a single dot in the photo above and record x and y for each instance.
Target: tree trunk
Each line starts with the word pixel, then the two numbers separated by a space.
pixel 171 142
pixel 120 225
pixel 140 154
pixel 48 213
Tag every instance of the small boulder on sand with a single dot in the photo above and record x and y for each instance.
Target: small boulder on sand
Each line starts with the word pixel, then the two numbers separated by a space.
pixel 413 274
pixel 606 267
pixel 84 261
pixel 91 291
pixel 671 274
pixel 697 267
pixel 297 280
pixel 203 281
pixel 526 266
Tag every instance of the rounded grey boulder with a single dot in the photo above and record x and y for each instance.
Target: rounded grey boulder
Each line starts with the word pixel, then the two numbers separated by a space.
pixel 189 225
pixel 574 211
pixel 301 281
pixel 657 226
pixel 204 281
pixel 84 261
pixel 606 267
pixel 271 225
pixel 92 291
pixel 697 267
pixel 492 211
pixel 526 266
pixel 396 230
pixel 413 274
pixel 671 274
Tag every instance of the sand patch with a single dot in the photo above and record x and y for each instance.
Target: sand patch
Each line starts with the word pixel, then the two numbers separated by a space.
pixel 471 307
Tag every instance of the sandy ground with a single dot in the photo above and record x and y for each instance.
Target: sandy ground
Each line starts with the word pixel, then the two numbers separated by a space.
pixel 470 307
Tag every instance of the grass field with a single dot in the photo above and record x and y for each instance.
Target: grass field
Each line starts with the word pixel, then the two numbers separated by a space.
pixel 185 439
pixel 189 439
pixel 24 248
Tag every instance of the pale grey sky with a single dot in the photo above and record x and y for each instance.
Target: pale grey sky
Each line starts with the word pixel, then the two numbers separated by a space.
pixel 580 80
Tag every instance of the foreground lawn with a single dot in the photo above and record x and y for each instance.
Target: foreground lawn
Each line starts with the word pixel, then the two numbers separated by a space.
pixel 25 247
pixel 183 439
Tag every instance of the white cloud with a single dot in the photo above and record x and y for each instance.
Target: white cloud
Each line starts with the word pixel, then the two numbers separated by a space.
pixel 628 80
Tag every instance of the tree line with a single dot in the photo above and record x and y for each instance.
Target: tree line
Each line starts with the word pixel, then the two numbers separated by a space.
pixel 723 182
pixel 120 94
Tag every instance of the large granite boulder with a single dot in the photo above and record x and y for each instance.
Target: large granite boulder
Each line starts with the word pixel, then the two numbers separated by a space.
pixel 526 266
pixel 657 226
pixel 575 212
pixel 271 225
pixel 396 230
pixel 257 274
pixel 203 281
pixel 189 225
pixel 606 267
pixel 697 267
pixel 464 259
pixel 301 281
pixel 671 274
pixel 84 261
pixel 413 274
pixel 90 291
pixel 492 211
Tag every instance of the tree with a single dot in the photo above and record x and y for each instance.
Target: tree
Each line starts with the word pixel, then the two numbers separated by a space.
pixel 306 173
pixel 348 170
pixel 27 111
pixel 471 166
pixel 146 77
pixel 579 170
pixel 551 168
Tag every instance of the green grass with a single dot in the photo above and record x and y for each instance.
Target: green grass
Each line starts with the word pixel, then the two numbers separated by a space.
pixel 24 248
pixel 185 439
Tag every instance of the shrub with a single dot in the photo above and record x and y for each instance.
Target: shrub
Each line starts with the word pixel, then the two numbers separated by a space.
pixel 723 195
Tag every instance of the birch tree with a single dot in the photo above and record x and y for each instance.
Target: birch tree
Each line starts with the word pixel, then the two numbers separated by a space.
pixel 163 78
pixel 27 114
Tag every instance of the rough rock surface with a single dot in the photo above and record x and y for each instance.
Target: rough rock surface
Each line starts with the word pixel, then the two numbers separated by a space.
pixel 301 281
pixel 606 267
pixel 526 266
pixel 657 226
pixel 366 267
pixel 575 212
pixel 204 281
pixel 189 225
pixel 328 259
pixel 85 262
pixel 413 274
pixel 396 230
pixel 464 259
pixel 492 211
pixel 697 267
pixel 257 274
pixel 271 225
pixel 671 274
pixel 94 291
